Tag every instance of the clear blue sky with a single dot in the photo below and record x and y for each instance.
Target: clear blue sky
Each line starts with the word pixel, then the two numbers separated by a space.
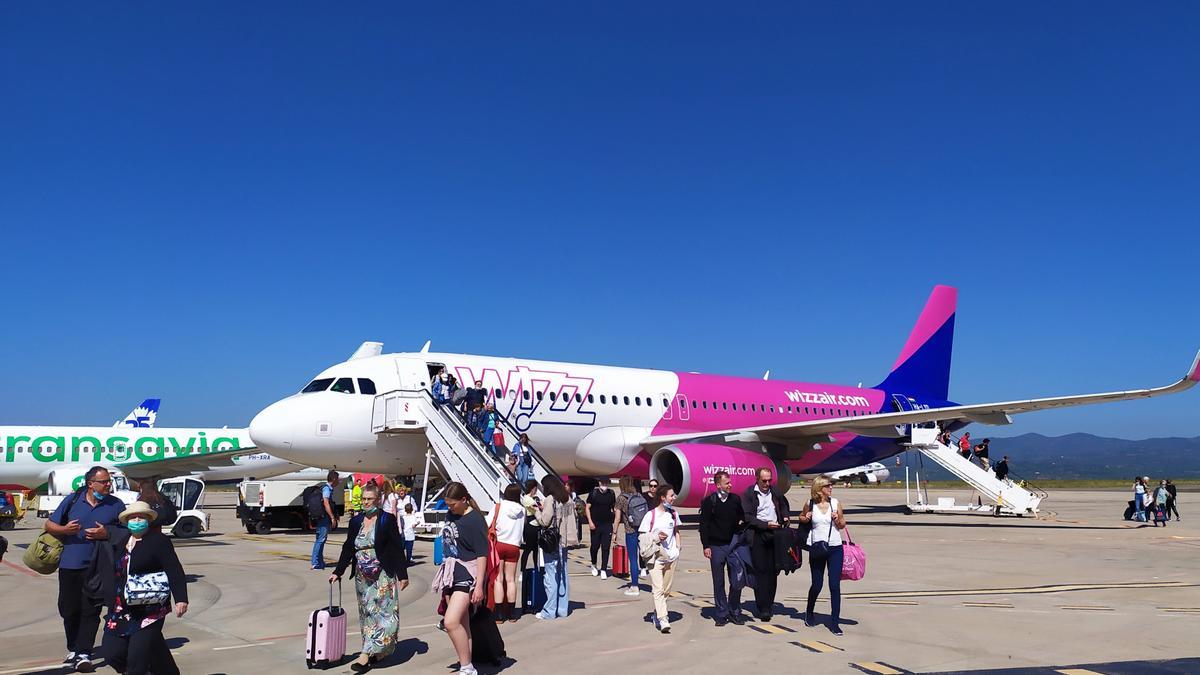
pixel 210 202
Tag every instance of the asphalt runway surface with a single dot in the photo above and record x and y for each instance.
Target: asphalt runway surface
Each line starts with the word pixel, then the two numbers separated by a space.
pixel 1077 591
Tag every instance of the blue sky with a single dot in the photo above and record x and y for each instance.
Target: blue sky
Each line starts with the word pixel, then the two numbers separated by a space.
pixel 211 202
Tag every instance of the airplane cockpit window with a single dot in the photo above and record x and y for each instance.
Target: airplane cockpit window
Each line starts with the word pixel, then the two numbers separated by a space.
pixel 344 385
pixel 366 386
pixel 317 385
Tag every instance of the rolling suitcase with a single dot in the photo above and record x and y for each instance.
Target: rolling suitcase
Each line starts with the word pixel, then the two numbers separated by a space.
pixel 533 590
pixel 487 645
pixel 620 560
pixel 325 644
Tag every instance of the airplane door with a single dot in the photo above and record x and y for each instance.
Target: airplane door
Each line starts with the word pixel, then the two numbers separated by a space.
pixel 684 413
pixel 413 374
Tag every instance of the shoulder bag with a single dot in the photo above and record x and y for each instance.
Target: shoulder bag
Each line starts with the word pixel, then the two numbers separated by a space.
pixel 151 588
pixel 44 554
pixel 854 560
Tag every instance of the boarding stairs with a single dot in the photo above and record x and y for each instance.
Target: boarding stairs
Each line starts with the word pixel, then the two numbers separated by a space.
pixel 1007 496
pixel 460 456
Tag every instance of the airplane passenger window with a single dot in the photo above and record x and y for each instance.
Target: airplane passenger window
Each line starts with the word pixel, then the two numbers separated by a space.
pixel 578 397
pixel 540 395
pixel 366 386
pixel 525 394
pixel 344 385
pixel 551 396
pixel 724 405
pixel 704 404
pixel 626 400
pixel 602 398
pixel 666 404
pixel 592 398
pixel 752 407
pixel 637 400
pixel 694 404
pixel 317 385
pixel 498 395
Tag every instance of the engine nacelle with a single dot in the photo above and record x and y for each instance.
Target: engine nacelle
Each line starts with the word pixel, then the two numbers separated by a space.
pixel 689 468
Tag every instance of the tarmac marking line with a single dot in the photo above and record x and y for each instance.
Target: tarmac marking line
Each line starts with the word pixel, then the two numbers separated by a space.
pixel 701 604
pixel 1025 590
pixel 1181 610
pixel 876 667
pixel 998 605
pixel 1077 671
pixel 252 644
pixel 818 647
pixel 622 650
pixel 1087 608
pixel 907 603
pixel 23 570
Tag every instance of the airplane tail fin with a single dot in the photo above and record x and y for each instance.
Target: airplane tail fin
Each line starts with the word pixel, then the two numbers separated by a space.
pixel 141 416
pixel 924 364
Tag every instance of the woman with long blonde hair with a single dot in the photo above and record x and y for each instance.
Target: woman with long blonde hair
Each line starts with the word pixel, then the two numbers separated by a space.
pixel 825 520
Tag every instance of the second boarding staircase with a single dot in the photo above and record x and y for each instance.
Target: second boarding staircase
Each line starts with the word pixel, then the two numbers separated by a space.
pixel 460 455
pixel 1009 497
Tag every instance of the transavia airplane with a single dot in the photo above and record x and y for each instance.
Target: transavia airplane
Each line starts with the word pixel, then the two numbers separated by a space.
pixel 591 420
pixel 57 457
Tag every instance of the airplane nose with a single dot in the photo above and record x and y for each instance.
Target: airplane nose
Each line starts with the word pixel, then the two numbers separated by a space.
pixel 271 429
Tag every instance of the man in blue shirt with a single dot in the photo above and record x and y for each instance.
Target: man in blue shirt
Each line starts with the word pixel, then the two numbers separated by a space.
pixel 326 522
pixel 84 518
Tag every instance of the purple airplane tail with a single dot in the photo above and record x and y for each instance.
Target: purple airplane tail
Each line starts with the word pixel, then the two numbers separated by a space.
pixel 923 367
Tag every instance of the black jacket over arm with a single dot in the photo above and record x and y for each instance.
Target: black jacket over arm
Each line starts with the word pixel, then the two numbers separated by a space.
pixel 154 553
pixel 750 505
pixel 389 546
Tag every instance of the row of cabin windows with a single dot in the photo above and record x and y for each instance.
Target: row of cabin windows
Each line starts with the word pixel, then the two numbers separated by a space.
pixel 343 385
pixel 637 400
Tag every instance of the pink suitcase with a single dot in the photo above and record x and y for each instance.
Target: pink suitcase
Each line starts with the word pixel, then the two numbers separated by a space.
pixel 326 642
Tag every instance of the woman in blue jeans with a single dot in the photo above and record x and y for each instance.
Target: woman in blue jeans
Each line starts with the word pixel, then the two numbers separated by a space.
pixel 825 520
pixel 629 491
pixel 553 514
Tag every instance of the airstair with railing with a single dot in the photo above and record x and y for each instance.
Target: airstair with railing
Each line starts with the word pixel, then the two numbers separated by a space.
pixel 1007 496
pixel 453 448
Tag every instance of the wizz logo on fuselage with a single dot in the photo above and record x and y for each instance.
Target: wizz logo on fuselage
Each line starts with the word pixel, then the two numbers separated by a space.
pixel 528 397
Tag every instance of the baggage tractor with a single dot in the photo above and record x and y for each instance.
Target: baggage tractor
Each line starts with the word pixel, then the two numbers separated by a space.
pixel 325 644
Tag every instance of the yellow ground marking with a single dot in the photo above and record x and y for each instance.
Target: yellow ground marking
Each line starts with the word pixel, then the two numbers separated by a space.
pixel 771 628
pixel 1025 590
pixel 1000 605
pixel 1087 608
pixel 818 647
pixel 876 667
pixel 696 571
pixel 1181 610
pixel 700 603
pixel 906 603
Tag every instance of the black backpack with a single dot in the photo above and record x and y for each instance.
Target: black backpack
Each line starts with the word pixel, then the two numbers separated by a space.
pixel 314 503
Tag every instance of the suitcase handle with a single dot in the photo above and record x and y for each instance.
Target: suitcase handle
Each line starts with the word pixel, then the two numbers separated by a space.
pixel 331 605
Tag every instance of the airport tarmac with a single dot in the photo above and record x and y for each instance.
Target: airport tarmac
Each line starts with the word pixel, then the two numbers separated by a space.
pixel 1078 591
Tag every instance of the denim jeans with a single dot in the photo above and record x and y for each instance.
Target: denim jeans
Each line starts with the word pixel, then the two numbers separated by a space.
pixel 631 545
pixel 524 471
pixel 408 547
pixel 556 586
pixel 718 564
pixel 817 565
pixel 318 551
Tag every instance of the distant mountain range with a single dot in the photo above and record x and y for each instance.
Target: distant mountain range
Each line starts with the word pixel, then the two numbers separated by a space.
pixel 1034 456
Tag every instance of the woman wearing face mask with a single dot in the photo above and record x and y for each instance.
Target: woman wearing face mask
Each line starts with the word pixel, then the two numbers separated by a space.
pixel 658 539
pixel 146 575
pixel 374 550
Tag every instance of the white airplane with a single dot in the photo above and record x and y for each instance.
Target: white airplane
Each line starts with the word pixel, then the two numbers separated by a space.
pixel 58 457
pixel 592 420
pixel 869 474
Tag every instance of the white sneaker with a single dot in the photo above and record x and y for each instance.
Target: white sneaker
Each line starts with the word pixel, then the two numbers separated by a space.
pixel 664 626
pixel 83 663
pixel 603 574
pixel 468 669
pixel 595 572
pixel 69 662
pixel 632 591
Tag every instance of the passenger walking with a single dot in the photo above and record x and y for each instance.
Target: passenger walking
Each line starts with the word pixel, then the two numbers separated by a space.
pixel 1002 469
pixel 722 520
pixel 408 525
pixel 460 579
pixel 374 552
pixel 660 549
pixel 388 500
pixel 651 493
pixel 532 501
pixel 964 446
pixel 404 497
pixel 523 453
pixel 553 518
pixel 138 560
pixel 85 518
pixel 441 388
pixel 1139 498
pixel 981 451
pixel 326 522
pixel 506 533
pixel 766 511
pixel 164 509
pixel 599 509
pixel 1161 497
pixel 1172 496
pixel 488 421
pixel 473 400
pixel 825 520
pixel 631 508
pixel 578 510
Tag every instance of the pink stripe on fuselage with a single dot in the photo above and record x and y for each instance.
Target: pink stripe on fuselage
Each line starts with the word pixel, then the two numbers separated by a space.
pixel 715 402
pixel 938 310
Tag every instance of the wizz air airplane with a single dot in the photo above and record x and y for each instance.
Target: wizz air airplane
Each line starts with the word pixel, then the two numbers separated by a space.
pixel 593 420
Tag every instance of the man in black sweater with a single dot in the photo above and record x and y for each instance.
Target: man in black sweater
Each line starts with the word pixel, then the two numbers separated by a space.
pixel 721 522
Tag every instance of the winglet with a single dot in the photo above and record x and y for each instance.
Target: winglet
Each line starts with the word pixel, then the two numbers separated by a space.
pixel 1194 373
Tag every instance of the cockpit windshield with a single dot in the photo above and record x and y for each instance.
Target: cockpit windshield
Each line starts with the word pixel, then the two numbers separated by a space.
pixel 344 385
pixel 317 385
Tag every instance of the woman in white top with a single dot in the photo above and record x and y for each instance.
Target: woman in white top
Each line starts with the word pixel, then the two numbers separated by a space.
pixel 507 526
pixel 825 520
pixel 660 526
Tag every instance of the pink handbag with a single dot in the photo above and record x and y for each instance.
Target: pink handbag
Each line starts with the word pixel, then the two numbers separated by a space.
pixel 854 560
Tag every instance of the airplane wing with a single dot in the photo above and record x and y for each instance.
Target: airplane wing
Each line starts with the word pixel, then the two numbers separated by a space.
pixel 181 465
pixel 883 424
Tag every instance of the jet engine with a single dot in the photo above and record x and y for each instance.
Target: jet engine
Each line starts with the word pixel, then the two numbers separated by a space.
pixel 689 468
